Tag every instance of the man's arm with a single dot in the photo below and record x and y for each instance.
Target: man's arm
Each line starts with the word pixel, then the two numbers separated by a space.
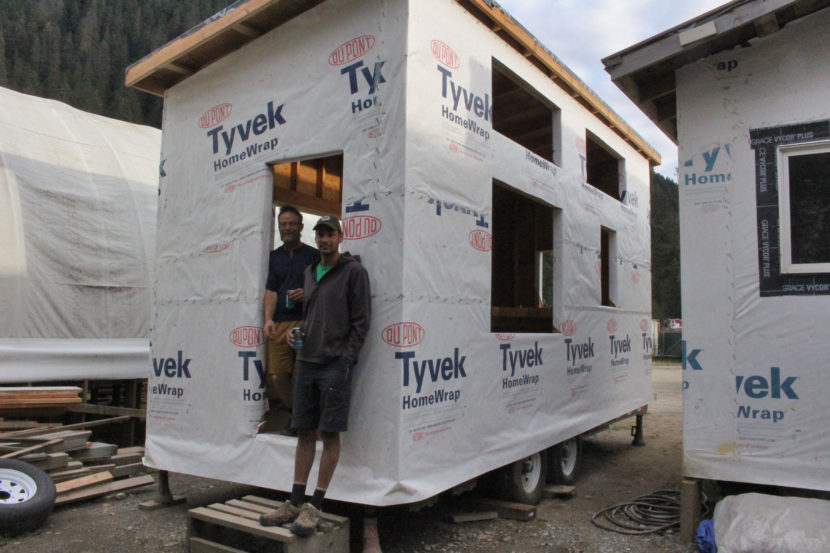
pixel 360 312
pixel 270 305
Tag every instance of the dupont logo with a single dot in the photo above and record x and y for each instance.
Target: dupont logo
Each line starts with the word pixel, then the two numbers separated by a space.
pixel 505 336
pixel 481 240
pixel 635 276
pixel 611 325
pixel 417 436
pixel 215 115
pixel 360 226
pixel 404 335
pixel 216 248
pixel 567 328
pixel 351 50
pixel 644 324
pixel 247 336
pixel 444 54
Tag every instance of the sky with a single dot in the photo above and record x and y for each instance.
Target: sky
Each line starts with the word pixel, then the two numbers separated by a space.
pixel 582 32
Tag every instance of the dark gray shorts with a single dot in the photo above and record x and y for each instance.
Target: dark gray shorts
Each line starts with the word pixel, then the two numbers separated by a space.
pixel 321 396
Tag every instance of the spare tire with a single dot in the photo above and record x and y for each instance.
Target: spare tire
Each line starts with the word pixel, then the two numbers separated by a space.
pixel 27 496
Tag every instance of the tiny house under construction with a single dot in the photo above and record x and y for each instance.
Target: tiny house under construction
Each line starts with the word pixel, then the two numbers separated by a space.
pixel 500 208
pixel 742 90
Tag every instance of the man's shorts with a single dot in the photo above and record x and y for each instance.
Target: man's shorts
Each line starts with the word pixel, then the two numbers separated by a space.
pixel 321 396
pixel 280 354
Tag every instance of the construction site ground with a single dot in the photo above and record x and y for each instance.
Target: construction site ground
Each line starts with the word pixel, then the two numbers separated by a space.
pixel 612 471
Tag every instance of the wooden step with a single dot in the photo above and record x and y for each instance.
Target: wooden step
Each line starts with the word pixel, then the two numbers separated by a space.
pixel 234 526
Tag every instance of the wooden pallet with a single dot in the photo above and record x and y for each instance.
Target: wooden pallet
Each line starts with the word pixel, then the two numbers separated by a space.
pixel 233 527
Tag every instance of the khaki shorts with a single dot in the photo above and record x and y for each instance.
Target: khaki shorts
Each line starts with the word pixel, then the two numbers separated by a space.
pixel 280 355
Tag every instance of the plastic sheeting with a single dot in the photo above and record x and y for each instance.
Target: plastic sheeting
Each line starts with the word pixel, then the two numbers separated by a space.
pixel 78 197
pixel 754 522
pixel 756 392
pixel 437 398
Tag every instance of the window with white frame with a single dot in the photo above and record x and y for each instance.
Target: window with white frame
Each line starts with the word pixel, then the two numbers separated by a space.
pixel 804 207
pixel 792 194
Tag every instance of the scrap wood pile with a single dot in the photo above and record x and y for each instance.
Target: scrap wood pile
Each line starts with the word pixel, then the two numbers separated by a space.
pixel 79 467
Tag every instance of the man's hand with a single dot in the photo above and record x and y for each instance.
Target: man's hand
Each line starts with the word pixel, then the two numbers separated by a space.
pixel 296 295
pixel 289 338
pixel 270 329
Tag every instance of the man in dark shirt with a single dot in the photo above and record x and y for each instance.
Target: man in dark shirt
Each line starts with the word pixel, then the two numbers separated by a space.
pixel 284 301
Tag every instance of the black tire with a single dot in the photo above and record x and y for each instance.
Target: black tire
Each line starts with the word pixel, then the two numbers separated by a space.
pixel 524 480
pixel 27 496
pixel 564 461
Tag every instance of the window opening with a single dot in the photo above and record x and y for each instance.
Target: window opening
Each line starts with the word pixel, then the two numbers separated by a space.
pixel 524 116
pixel 522 263
pixel 804 208
pixel 608 269
pixel 313 185
pixel 603 166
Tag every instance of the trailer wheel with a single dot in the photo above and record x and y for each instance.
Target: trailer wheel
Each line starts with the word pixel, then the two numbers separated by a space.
pixel 524 480
pixel 27 495
pixel 564 461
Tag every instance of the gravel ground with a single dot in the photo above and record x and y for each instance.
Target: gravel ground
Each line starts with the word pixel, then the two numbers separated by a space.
pixel 612 472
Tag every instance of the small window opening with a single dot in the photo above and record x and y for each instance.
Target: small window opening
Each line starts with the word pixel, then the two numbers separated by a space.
pixel 804 208
pixel 313 185
pixel 524 116
pixel 603 167
pixel 608 268
pixel 522 263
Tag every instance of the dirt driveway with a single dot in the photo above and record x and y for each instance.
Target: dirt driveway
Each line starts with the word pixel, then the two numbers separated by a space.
pixel 612 472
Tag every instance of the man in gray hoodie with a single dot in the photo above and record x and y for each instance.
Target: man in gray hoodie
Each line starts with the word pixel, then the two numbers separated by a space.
pixel 336 314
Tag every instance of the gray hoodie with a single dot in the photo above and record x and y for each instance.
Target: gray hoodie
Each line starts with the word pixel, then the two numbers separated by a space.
pixel 336 311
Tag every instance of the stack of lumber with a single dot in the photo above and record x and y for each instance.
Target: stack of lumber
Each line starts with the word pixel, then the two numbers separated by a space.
pixel 80 468
pixel 25 399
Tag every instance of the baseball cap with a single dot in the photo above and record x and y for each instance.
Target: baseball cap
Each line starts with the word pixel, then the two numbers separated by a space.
pixel 329 222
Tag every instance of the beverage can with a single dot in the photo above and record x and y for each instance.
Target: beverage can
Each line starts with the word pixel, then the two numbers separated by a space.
pixel 288 303
pixel 297 335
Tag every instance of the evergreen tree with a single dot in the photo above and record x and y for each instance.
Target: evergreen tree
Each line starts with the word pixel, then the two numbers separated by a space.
pixel 665 248
pixel 77 51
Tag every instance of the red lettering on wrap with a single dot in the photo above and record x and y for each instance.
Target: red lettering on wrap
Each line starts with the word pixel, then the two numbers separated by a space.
pixel 481 240
pixel 404 335
pixel 351 50
pixel 445 54
pixel 360 226
pixel 215 115
pixel 247 336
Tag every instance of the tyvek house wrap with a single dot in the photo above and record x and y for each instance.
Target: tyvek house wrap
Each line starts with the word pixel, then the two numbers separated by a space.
pixel 419 166
pixel 78 199
pixel 756 392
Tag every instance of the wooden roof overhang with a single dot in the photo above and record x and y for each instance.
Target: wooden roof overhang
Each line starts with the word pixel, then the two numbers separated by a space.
pixel 645 72
pixel 247 20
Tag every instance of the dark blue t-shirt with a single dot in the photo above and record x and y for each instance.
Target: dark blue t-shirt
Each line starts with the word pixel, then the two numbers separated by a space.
pixel 285 272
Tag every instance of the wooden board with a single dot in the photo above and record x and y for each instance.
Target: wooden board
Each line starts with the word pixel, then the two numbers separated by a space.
pixel 52 461
pixel 507 509
pixel 473 517
pixel 199 545
pixel 83 482
pixel 104 489
pixel 119 471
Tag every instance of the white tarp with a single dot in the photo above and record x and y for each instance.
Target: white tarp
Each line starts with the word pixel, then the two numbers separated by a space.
pixel 756 393
pixel 78 196
pixel 753 522
pixel 437 397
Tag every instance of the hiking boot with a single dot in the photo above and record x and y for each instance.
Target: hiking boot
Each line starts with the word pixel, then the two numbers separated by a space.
pixel 286 512
pixel 306 523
